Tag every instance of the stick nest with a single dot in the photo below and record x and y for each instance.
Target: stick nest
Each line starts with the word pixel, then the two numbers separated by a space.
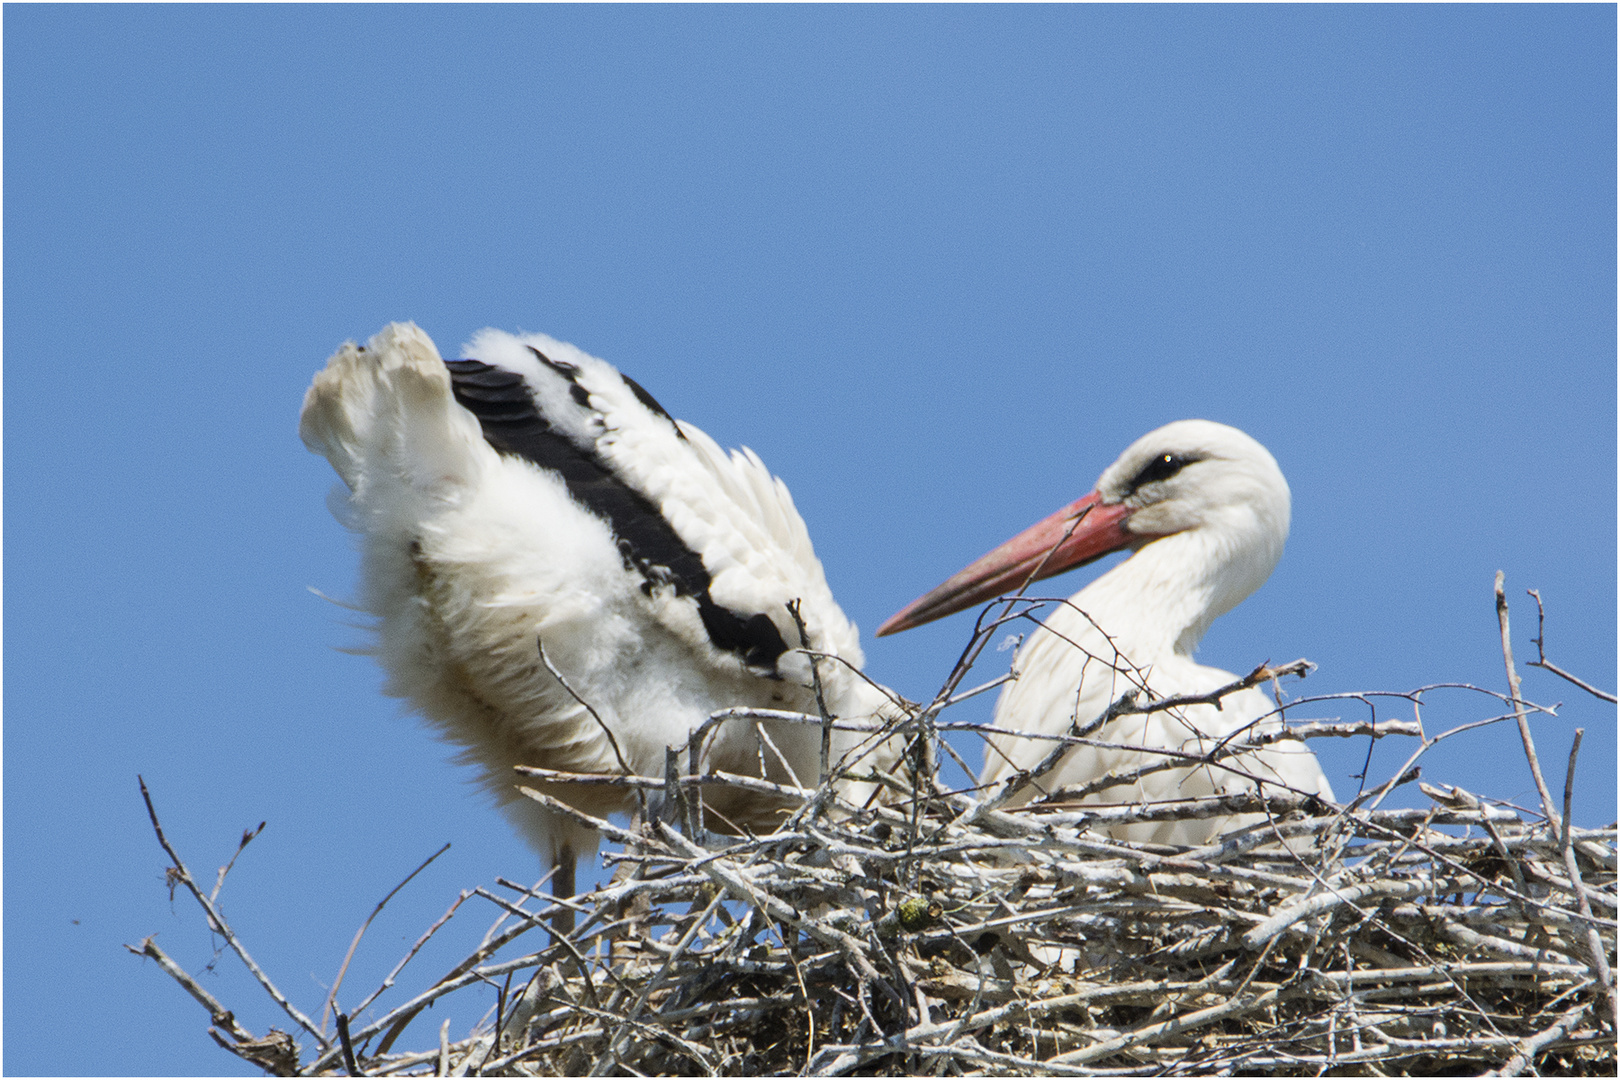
pixel 940 932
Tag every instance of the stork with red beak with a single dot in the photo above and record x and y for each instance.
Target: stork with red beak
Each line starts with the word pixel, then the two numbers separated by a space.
pixel 1204 509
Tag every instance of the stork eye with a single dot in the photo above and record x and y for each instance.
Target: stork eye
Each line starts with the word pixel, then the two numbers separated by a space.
pixel 1162 467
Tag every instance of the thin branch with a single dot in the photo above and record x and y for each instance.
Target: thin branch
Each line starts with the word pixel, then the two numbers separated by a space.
pixel 1530 1047
pixel 217 923
pixel 331 997
pixel 219 1014
pixel 1541 660
pixel 555 674
pixel 247 838
pixel 1598 955
pixel 1518 709
pixel 349 1064
pixel 427 935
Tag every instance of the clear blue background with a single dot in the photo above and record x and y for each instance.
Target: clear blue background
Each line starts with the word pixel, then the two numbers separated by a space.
pixel 937 265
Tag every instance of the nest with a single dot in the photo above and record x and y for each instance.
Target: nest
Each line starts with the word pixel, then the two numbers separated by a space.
pixel 943 932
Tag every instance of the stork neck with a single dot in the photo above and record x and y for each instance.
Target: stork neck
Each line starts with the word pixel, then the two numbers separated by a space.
pixel 1163 598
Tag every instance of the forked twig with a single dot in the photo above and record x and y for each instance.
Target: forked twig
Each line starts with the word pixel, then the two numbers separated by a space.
pixel 217 923
pixel 1541 660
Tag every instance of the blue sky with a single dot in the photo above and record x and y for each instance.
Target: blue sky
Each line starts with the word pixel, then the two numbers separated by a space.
pixel 938 266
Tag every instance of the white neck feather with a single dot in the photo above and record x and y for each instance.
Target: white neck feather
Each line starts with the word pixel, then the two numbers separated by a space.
pixel 1163 598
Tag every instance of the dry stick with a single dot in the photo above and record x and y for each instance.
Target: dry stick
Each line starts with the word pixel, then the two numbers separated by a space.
pixel 1548 810
pixel 1594 943
pixel 980 689
pixel 1599 959
pixel 1023 778
pixel 216 923
pixel 793 607
pixel 720 779
pixel 555 674
pixel 656 1033
pixel 1149 1033
pixel 730 880
pixel 610 1055
pixel 1295 731
pixel 349 1064
pixel 1263 673
pixel 408 1011
pixel 1529 1048
pixel 331 998
pixel 535 894
pixel 562 942
pixel 1569 787
pixel 219 1014
pixel 1220 758
pixel 1450 972
pixel 1541 660
pixel 563 927
pixel 500 1022
pixel 400 1018
pixel 421 941
pixel 1171 759
pixel 1342 894
pixel 464 976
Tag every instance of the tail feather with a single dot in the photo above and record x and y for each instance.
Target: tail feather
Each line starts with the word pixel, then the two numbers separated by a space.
pixel 384 416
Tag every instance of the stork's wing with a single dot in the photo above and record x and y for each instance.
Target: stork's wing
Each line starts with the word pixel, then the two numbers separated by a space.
pixel 702 527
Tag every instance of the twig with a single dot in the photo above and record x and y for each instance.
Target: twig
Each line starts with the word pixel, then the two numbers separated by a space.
pixel 1530 1047
pixel 331 997
pixel 247 838
pixel 216 923
pixel 1541 660
pixel 1569 787
pixel 388 981
pixel 555 674
pixel 1598 955
pixel 1518 709
pixel 793 607
pixel 349 1064
pixel 1259 676
pixel 219 1014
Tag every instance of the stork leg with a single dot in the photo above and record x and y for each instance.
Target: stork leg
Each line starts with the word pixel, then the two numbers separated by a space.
pixel 562 886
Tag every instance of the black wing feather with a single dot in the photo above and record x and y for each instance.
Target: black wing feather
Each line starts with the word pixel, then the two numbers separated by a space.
pixel 512 424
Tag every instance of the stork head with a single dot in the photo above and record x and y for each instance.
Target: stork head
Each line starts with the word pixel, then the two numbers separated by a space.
pixel 1194 478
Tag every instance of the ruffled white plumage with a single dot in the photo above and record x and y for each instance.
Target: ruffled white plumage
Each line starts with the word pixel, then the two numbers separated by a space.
pixel 470 556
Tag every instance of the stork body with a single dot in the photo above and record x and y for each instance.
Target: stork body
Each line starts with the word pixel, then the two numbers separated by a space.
pixel 530 496
pixel 1205 510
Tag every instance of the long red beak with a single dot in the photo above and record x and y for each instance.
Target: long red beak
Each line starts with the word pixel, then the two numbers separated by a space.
pixel 1084 530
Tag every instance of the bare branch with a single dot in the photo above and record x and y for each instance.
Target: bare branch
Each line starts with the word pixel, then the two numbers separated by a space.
pixel 331 997
pixel 1518 709
pixel 1541 660
pixel 217 924
pixel 219 1014
pixel 555 674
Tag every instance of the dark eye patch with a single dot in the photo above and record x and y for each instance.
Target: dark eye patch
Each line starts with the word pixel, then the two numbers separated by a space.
pixel 1162 467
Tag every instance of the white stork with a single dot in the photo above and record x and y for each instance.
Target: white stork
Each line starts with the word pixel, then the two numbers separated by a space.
pixel 531 495
pixel 1205 510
